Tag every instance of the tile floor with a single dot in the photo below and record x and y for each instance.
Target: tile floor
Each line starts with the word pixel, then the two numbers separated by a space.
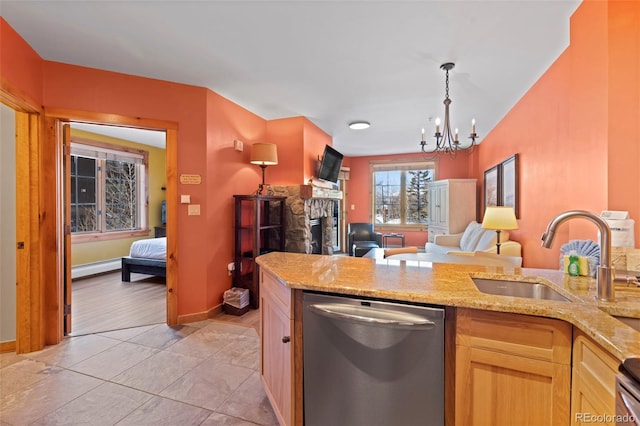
pixel 204 373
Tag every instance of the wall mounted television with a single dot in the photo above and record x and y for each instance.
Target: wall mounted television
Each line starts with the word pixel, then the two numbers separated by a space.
pixel 330 165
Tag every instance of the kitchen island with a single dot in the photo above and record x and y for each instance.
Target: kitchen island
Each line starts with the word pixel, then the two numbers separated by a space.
pixel 450 286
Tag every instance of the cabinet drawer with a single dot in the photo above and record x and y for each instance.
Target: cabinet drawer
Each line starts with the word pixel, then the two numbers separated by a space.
pixel 275 289
pixel 533 337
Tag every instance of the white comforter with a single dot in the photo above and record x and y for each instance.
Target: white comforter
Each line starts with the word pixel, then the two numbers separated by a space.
pixel 152 248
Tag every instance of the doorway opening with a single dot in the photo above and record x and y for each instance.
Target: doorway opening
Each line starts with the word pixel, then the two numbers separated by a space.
pixel 115 183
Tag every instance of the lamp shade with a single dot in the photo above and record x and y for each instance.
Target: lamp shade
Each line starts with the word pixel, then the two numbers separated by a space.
pixel 499 218
pixel 264 154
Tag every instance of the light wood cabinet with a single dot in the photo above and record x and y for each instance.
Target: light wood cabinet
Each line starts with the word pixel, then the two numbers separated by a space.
pixel 511 369
pixel 277 339
pixel 594 381
pixel 452 205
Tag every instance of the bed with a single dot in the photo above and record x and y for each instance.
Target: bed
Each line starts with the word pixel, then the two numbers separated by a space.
pixel 148 256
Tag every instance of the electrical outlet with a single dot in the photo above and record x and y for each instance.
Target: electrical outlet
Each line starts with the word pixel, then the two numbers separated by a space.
pixel 231 267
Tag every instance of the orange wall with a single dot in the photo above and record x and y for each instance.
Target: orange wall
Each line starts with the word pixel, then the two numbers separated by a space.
pixel 359 186
pixel 207 126
pixel 73 87
pixel 624 109
pixel 300 143
pixel 20 66
pixel 576 131
pixel 287 133
pixel 228 172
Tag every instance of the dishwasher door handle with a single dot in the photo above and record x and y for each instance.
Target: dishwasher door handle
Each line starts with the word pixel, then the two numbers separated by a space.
pixel 372 316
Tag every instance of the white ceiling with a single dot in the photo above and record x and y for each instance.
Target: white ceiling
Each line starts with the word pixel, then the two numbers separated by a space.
pixel 331 61
pixel 143 136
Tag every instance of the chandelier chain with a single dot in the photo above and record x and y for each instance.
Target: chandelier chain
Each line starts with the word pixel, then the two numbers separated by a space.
pixel 446 85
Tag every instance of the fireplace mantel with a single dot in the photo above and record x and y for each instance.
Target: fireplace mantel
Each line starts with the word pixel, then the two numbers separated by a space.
pixel 311 191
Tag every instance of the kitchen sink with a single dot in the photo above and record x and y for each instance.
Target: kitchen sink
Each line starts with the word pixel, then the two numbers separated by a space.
pixel 631 322
pixel 518 289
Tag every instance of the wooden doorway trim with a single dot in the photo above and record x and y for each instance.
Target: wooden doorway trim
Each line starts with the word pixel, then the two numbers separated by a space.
pixel 29 302
pixel 54 118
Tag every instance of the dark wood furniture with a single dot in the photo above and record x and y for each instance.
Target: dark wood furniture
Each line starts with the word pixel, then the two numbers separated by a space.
pixel 259 229
pixel 142 266
pixel 160 231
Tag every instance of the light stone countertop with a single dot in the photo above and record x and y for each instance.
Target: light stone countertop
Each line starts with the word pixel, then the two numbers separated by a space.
pixel 447 284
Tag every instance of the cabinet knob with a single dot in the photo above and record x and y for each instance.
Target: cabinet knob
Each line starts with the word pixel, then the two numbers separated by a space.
pixel 286 339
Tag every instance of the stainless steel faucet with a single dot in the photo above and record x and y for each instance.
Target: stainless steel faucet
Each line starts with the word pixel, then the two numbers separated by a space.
pixel 605 272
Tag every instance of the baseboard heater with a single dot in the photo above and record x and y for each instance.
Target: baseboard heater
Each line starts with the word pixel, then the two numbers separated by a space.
pixel 95 268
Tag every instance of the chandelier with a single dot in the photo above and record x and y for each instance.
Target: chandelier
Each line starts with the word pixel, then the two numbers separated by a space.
pixel 448 142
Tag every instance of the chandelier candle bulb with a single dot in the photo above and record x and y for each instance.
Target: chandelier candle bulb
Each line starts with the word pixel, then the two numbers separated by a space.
pixel 473 125
pixel 437 125
pixel 422 135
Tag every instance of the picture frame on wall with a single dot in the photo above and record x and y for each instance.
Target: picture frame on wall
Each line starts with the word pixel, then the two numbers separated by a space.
pixel 509 184
pixel 492 186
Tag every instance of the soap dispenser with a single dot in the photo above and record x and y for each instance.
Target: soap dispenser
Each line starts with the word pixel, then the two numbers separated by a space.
pixel 574 265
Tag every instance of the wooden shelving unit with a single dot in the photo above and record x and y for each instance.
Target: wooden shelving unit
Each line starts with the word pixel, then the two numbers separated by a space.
pixel 259 229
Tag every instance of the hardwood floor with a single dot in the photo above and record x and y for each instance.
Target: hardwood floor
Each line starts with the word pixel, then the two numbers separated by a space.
pixel 105 303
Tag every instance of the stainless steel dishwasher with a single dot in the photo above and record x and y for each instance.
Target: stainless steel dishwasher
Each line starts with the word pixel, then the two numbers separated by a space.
pixel 372 363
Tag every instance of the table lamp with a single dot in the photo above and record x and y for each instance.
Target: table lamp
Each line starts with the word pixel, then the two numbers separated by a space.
pixel 499 219
pixel 264 154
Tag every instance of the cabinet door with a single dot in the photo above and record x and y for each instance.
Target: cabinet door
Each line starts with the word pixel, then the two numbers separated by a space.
pixel 503 389
pixel 593 388
pixel 438 205
pixel 511 369
pixel 277 349
pixel 433 202
pixel 443 206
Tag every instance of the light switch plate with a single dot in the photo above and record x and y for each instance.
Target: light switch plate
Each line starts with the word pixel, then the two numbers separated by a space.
pixel 194 210
pixel 185 199
pixel 238 145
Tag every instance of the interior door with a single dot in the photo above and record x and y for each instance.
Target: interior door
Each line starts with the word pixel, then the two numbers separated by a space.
pixel 66 208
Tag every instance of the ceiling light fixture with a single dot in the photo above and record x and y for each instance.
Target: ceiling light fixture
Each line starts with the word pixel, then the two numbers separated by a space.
pixel 359 125
pixel 448 142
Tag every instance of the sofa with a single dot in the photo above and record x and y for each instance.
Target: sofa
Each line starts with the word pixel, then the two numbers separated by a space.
pixel 474 238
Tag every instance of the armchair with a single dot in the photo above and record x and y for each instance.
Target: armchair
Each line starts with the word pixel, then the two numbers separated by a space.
pixel 362 238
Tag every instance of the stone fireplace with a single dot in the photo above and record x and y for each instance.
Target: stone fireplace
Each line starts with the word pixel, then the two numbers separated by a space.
pixel 309 217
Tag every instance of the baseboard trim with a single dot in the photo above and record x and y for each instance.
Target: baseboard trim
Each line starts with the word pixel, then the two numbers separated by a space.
pixel 200 316
pixel 7 347
pixel 95 268
pixel 216 310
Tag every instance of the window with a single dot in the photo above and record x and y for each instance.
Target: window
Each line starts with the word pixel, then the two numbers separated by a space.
pixel 400 193
pixel 108 189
